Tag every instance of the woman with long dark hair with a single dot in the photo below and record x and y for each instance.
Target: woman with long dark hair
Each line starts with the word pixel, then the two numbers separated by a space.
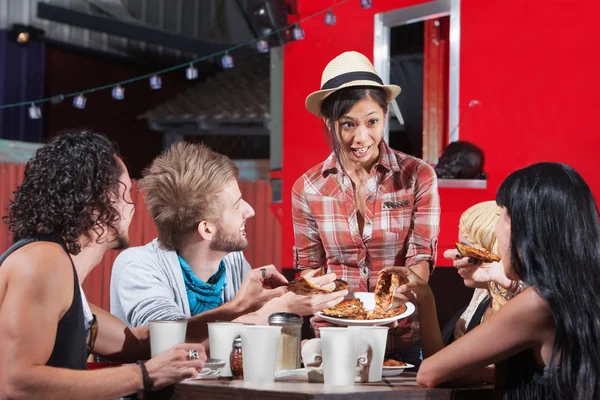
pixel 546 340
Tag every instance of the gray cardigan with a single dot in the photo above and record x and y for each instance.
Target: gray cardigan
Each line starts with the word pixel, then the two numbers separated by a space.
pixel 147 284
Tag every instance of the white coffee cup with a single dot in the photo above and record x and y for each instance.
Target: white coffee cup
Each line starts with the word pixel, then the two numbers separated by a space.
pixel 260 345
pixel 376 337
pixel 220 340
pixel 166 334
pixel 340 350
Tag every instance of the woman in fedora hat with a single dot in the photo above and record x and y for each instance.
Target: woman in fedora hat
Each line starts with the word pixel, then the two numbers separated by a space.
pixel 366 207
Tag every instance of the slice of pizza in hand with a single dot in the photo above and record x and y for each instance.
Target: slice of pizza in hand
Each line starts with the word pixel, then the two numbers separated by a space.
pixel 304 287
pixel 387 283
pixel 478 254
pixel 340 284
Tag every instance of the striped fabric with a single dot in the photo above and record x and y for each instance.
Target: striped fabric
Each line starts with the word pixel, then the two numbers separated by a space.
pixel 401 223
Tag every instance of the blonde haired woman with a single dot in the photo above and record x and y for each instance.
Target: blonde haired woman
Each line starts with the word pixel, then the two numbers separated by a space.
pixel 477 229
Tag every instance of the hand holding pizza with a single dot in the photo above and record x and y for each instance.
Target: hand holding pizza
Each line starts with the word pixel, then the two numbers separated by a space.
pixel 414 288
pixel 474 269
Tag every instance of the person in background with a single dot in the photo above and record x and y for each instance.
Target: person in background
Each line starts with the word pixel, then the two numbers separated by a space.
pixel 195 269
pixel 74 204
pixel 366 206
pixel 461 160
pixel 544 341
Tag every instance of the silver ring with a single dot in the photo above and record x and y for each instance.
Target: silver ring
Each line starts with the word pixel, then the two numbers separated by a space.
pixel 264 273
pixel 193 354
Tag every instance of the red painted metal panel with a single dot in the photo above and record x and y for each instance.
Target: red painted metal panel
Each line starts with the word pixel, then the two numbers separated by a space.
pixel 264 231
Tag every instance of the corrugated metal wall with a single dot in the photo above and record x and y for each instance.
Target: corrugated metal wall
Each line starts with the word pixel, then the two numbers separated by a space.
pixel 264 232
pixel 218 20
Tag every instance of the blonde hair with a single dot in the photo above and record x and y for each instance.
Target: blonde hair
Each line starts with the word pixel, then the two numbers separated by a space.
pixel 478 226
pixel 181 186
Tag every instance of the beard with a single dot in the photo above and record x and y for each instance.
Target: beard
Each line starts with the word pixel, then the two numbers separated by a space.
pixel 228 242
pixel 122 242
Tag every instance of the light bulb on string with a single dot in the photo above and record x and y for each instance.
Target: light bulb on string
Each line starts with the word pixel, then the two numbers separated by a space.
pixel 79 102
pixel 227 61
pixel 330 18
pixel 118 93
pixel 366 4
pixel 262 46
pixel 35 112
pixel 191 72
pixel 155 82
pixel 298 32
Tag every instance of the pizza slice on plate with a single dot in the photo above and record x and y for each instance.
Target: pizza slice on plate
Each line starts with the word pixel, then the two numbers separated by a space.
pixel 478 254
pixel 351 309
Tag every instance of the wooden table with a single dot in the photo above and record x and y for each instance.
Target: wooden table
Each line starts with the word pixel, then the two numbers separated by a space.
pixel 399 387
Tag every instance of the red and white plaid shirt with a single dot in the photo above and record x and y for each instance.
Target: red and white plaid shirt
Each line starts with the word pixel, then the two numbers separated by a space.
pixel 401 224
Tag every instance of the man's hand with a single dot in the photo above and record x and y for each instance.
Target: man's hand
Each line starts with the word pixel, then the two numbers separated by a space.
pixel 324 281
pixel 306 305
pixel 260 285
pixel 474 270
pixel 174 365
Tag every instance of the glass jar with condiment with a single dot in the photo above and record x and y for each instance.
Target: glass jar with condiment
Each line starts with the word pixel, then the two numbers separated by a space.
pixel 235 361
pixel 288 356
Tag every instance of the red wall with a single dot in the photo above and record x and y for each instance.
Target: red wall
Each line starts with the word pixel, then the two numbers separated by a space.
pixel 531 65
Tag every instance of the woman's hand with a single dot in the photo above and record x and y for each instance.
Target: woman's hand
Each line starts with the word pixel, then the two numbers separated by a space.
pixel 415 289
pixel 476 271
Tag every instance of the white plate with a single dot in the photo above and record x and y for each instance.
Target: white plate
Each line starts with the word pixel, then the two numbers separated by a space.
pixel 214 363
pixel 395 371
pixel 208 373
pixel 368 300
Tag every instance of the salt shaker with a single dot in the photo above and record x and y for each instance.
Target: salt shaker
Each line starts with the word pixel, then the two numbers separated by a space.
pixel 288 356
pixel 235 361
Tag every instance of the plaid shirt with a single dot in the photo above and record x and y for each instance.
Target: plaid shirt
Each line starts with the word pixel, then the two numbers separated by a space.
pixel 401 224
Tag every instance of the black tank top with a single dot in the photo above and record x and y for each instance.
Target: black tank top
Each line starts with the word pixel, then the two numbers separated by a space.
pixel 70 342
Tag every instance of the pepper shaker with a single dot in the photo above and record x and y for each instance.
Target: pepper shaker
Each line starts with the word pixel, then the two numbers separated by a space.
pixel 235 361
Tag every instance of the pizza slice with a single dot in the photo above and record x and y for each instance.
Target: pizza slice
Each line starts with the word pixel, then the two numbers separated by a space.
pixel 340 284
pixel 304 287
pixel 387 283
pixel 478 254
pixel 390 362
pixel 384 314
pixel 351 309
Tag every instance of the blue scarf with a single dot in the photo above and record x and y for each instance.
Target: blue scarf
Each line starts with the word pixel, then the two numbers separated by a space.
pixel 203 296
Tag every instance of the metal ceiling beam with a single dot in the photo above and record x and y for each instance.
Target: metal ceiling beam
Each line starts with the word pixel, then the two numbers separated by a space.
pixel 127 29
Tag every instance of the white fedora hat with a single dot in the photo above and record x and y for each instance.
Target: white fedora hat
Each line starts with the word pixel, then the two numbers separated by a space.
pixel 348 69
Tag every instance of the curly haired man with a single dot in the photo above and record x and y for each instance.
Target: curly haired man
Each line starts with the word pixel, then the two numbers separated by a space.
pixel 74 204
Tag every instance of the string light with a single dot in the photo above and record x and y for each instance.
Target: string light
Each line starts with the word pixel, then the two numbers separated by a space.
pixel 262 46
pixel 118 91
pixel 298 33
pixel 155 82
pixel 191 72
pixel 35 112
pixel 227 61
pixel 330 18
pixel 79 102
pixel 366 4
